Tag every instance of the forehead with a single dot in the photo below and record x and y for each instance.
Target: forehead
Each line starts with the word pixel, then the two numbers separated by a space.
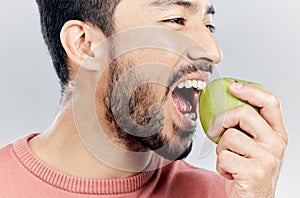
pixel 164 4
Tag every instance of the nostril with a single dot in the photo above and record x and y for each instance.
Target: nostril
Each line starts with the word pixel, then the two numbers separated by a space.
pixel 205 47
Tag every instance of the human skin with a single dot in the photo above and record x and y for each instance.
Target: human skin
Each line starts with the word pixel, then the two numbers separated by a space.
pixel 250 165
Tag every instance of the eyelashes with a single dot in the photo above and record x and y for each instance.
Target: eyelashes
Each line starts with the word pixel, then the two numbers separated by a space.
pixel 181 21
pixel 211 28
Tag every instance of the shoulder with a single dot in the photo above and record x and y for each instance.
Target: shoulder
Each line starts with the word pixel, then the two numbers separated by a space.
pixel 6 155
pixel 14 177
pixel 10 154
pixel 7 165
pixel 183 177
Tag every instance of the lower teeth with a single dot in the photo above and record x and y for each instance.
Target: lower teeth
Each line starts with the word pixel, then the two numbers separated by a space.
pixel 191 116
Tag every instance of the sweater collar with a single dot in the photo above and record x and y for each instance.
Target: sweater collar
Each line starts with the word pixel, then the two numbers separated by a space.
pixel 74 184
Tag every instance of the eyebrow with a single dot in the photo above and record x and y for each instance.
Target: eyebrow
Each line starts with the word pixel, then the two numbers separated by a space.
pixel 186 4
pixel 165 3
pixel 210 10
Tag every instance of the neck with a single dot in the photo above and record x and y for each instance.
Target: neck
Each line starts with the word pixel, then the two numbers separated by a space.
pixel 62 147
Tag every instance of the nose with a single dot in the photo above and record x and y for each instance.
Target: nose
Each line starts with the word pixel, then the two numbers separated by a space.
pixel 204 46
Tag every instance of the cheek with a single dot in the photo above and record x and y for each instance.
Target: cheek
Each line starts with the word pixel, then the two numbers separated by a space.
pixel 151 55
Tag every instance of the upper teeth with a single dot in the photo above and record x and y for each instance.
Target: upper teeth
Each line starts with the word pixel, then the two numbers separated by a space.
pixel 197 84
pixel 191 116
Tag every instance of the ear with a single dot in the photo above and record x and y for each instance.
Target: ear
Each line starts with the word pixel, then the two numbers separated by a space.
pixel 79 39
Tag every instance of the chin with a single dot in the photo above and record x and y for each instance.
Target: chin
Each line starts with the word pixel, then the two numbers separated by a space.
pixel 174 154
pixel 172 148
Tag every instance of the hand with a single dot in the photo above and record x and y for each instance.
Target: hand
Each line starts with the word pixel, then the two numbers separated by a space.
pixel 250 158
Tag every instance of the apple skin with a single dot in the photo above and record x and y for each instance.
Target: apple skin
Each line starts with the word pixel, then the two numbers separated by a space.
pixel 216 98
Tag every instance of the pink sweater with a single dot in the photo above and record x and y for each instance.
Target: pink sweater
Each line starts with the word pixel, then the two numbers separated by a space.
pixel 23 175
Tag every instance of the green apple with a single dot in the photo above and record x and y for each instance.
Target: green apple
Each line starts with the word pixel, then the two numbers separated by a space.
pixel 216 98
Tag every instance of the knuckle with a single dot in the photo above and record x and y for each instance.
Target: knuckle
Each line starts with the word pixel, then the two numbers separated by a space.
pixel 271 164
pixel 219 164
pixel 274 100
pixel 245 108
pixel 222 156
pixel 281 146
pixel 228 136
pixel 225 135
pixel 285 138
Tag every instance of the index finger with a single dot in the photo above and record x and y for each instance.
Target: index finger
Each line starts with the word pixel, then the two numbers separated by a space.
pixel 269 104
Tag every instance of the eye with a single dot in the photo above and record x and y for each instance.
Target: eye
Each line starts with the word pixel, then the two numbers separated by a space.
pixel 179 21
pixel 211 28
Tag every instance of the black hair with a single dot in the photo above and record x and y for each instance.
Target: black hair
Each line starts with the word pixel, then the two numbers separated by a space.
pixel 55 13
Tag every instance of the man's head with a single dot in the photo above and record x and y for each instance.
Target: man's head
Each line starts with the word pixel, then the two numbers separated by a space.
pixel 174 119
pixel 55 13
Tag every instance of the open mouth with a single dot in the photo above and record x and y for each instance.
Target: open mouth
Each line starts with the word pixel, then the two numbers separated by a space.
pixel 185 97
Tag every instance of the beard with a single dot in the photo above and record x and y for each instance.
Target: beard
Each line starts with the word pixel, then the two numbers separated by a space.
pixel 134 113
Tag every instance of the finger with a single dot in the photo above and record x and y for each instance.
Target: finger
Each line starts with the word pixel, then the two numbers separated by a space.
pixel 253 127
pixel 256 171
pixel 230 164
pixel 237 142
pixel 268 103
pixel 246 118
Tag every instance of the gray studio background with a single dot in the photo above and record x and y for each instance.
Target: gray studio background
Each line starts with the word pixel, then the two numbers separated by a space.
pixel 260 41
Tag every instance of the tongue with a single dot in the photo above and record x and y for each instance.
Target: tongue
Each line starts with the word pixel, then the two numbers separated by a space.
pixel 181 103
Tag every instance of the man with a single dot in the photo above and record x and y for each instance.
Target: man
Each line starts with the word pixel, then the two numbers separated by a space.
pixel 131 74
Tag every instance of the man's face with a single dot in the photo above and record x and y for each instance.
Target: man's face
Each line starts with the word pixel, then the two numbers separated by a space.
pixel 161 116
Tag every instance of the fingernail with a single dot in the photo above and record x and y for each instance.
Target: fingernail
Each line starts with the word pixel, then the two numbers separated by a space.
pixel 236 85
